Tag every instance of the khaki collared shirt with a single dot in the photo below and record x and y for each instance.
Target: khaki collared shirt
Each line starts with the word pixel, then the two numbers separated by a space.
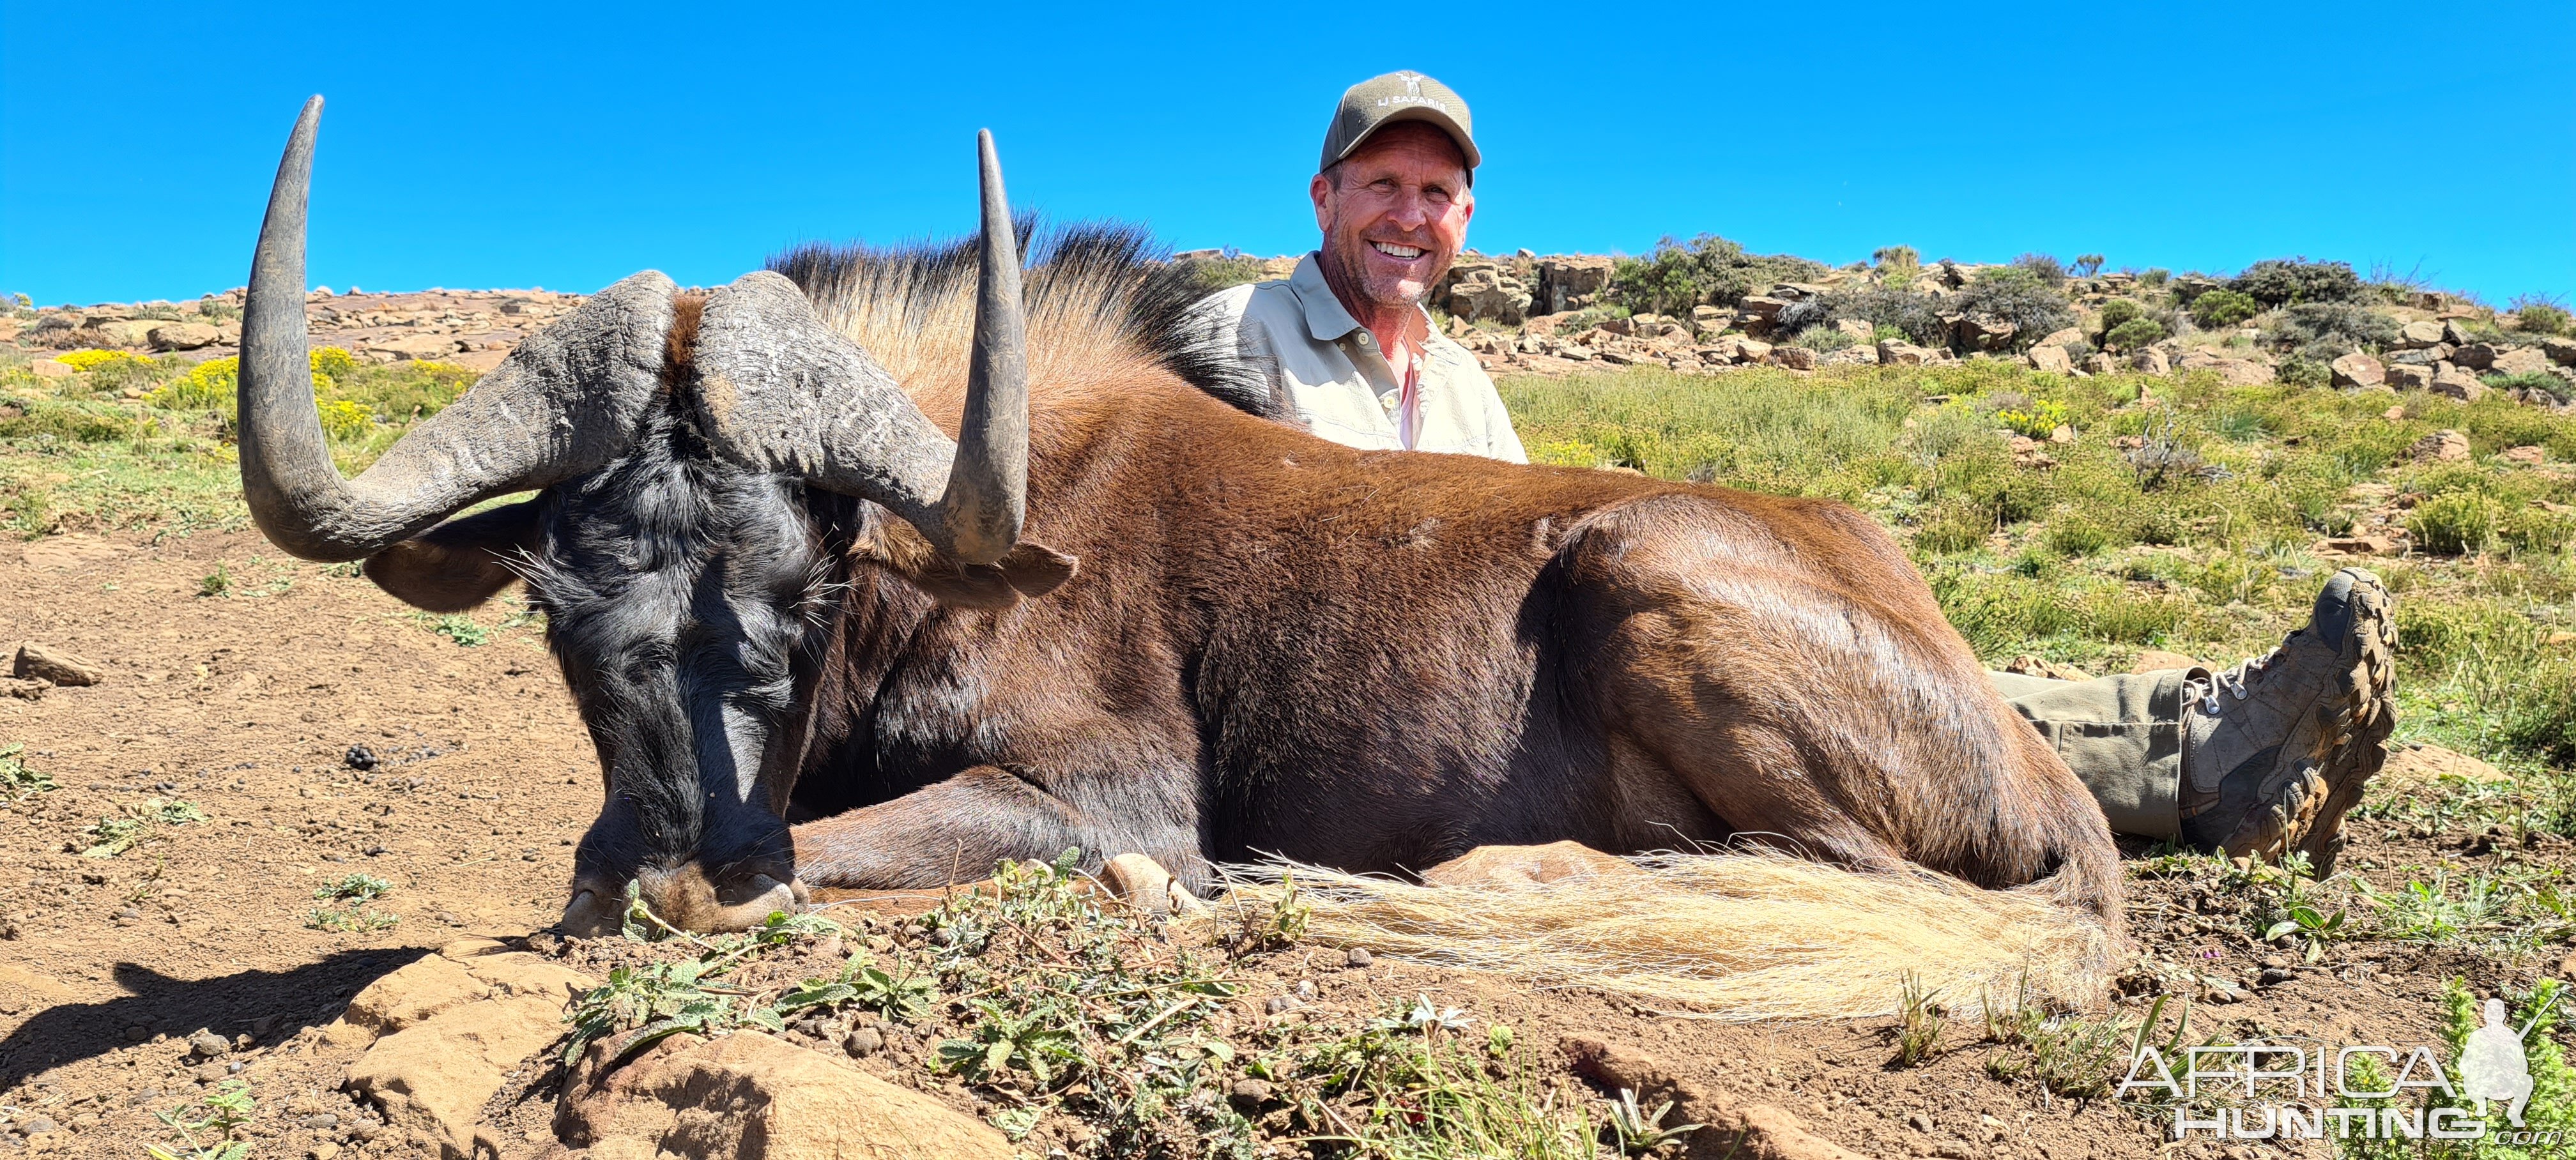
pixel 1330 369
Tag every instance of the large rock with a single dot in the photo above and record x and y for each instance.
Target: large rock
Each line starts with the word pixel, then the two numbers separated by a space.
pixel 1796 358
pixel 2560 350
pixel 2457 383
pixel 2068 336
pixel 2454 334
pixel 748 1096
pixel 2409 377
pixel 2521 360
pixel 2412 766
pixel 1484 292
pixel 1894 353
pixel 2418 335
pixel 1980 332
pixel 182 336
pixel 2235 372
pixel 2357 370
pixel 121 332
pixel 2152 361
pixel 2476 356
pixel 1571 282
pixel 2047 357
pixel 447 1031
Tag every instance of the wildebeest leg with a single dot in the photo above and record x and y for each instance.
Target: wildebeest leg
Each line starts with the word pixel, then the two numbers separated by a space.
pixel 1797 675
pixel 955 830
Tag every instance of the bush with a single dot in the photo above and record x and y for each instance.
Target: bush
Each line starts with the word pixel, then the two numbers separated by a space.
pixel 1916 316
pixel 1894 258
pixel 2155 277
pixel 1710 270
pixel 2134 334
pixel 2038 421
pixel 2045 266
pixel 2325 331
pixel 2087 265
pixel 1955 526
pixel 2557 388
pixel 2119 310
pixel 2283 281
pixel 2543 318
pixel 2219 308
pixel 2074 535
pixel 2021 297
pixel 2455 524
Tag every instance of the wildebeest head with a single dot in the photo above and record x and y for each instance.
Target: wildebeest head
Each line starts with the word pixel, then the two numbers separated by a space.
pixel 670 439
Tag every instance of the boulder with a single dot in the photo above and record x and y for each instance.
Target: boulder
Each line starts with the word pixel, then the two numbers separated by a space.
pixel 2560 350
pixel 1894 353
pixel 1796 358
pixel 2521 360
pixel 2453 334
pixel 1762 306
pixel 2098 363
pixel 1752 351
pixel 2444 446
pixel 2049 358
pixel 2235 372
pixel 2066 337
pixel 181 336
pixel 1483 292
pixel 121 332
pixel 2151 361
pixel 2408 377
pixel 748 1096
pixel 35 662
pixel 2476 356
pixel 1980 332
pixel 2418 335
pixel 1860 330
pixel 2454 382
pixel 1571 282
pixel 45 368
pixel 2357 370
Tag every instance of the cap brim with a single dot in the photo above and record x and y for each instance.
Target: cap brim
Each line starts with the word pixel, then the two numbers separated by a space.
pixel 1425 113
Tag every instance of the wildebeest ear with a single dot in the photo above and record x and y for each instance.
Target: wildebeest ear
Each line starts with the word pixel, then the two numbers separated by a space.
pixel 1031 569
pixel 456 565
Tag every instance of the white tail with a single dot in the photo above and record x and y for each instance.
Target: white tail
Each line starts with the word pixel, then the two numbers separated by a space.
pixel 1736 936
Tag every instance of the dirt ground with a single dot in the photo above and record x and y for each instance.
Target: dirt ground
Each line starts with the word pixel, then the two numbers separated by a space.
pixel 248 704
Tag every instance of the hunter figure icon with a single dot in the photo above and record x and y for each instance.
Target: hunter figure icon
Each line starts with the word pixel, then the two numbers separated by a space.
pixel 2492 1066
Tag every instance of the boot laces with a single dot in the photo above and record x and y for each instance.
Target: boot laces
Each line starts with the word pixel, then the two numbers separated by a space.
pixel 2231 680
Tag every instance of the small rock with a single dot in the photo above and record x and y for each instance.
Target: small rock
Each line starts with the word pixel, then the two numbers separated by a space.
pixel 1359 957
pixel 1279 1005
pixel 1919 1122
pixel 325 1150
pixel 45 368
pixel 36 662
pixel 206 1044
pixel 360 758
pixel 1305 989
pixel 1251 1091
pixel 37 1126
pixel 321 1122
pixel 863 1042
pixel 2273 977
pixel 2444 446
pixel 137 1034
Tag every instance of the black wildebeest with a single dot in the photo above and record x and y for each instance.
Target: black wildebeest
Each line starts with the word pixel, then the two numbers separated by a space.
pixel 1125 607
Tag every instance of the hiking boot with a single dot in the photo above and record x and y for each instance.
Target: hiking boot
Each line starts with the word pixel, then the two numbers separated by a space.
pixel 2278 747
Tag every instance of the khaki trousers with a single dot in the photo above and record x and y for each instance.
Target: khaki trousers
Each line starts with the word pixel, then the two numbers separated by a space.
pixel 2121 735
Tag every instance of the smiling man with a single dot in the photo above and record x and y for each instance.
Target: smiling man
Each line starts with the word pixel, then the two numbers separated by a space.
pixel 2260 759
pixel 1346 337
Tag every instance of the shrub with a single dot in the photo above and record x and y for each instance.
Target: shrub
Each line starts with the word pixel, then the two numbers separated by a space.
pixel 2087 265
pixel 2219 308
pixel 1954 526
pixel 1894 258
pixel 2556 387
pixel 2021 297
pixel 2283 281
pixel 2325 331
pixel 2045 266
pixel 2037 421
pixel 2155 277
pixel 2133 334
pixel 2455 524
pixel 2119 310
pixel 2075 535
pixel 90 360
pixel 1916 316
pixel 2543 318
pixel 1709 270
pixel 208 386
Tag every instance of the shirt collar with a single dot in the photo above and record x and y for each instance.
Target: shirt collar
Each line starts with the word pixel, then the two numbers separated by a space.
pixel 1326 318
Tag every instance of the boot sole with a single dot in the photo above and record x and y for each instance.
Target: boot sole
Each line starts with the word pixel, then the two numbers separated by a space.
pixel 2362 713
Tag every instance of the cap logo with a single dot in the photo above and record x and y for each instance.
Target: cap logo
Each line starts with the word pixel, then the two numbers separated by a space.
pixel 1412 95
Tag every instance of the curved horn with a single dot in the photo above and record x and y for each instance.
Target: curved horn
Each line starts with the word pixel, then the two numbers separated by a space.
pixel 784 392
pixel 565 402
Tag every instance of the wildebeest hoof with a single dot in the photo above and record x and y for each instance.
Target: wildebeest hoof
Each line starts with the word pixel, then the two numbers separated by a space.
pixel 1140 882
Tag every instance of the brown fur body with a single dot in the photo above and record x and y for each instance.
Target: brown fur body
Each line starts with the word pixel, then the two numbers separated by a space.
pixel 1276 645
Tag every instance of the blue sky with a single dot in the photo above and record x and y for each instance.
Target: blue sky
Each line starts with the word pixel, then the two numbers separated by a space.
pixel 470 144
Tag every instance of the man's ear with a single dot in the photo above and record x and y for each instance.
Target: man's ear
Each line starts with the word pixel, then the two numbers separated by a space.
pixel 456 565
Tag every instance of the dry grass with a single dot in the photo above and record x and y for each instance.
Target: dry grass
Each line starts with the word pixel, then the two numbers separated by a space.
pixel 1738 936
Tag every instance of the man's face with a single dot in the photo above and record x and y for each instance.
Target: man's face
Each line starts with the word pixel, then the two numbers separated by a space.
pixel 1397 215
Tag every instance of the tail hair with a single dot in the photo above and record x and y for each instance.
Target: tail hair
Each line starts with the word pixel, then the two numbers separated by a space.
pixel 1742 935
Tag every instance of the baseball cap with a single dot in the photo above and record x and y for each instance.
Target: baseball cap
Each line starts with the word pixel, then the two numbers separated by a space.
pixel 1378 102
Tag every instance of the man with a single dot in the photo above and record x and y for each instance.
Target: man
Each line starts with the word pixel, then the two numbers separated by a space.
pixel 2257 760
